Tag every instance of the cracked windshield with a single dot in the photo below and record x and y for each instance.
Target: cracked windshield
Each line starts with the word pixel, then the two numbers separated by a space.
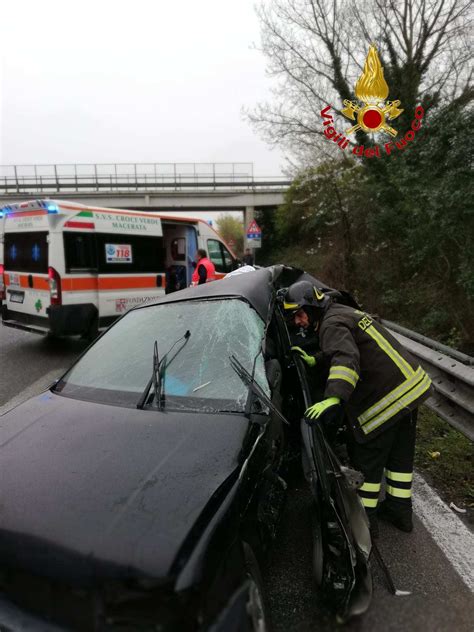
pixel 196 372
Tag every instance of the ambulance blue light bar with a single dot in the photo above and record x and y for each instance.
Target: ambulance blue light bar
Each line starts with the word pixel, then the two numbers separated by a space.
pixel 52 208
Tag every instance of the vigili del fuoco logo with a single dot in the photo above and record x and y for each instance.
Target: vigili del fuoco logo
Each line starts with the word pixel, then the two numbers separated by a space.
pixel 371 113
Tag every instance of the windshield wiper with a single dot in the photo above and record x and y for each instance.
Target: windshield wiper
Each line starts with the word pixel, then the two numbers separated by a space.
pixel 249 380
pixel 154 377
pixel 159 368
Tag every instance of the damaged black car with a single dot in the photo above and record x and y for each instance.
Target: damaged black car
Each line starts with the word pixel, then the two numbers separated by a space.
pixel 144 488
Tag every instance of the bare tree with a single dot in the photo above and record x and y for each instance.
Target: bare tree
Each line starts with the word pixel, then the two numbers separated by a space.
pixel 316 50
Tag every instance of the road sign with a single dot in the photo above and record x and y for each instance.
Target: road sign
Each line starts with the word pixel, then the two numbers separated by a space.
pixel 254 235
pixel 253 229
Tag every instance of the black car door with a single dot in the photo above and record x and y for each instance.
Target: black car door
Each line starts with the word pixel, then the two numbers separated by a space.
pixel 340 531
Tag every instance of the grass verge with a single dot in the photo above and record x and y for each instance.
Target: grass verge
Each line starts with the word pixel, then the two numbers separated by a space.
pixel 446 456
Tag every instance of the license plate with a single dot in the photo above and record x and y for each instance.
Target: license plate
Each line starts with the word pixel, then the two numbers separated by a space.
pixel 16 297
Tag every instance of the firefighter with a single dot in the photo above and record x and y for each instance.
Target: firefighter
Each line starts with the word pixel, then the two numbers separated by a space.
pixel 378 384
pixel 204 271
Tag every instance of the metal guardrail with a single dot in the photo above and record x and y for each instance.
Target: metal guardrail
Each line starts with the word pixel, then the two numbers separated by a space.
pixel 133 177
pixel 453 378
pixel 432 344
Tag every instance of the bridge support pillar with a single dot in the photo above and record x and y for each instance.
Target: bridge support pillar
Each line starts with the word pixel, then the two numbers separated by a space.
pixel 249 216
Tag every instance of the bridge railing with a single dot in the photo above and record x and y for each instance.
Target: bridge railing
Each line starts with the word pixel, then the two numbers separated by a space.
pixel 131 177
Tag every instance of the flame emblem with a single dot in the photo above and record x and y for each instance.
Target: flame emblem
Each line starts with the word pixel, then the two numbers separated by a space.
pixel 372 89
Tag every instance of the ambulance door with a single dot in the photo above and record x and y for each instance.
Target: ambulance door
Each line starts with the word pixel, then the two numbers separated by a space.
pixel 181 246
pixel 220 257
pixel 26 273
pixel 131 271
pixel 79 277
pixel 223 259
pixel 192 246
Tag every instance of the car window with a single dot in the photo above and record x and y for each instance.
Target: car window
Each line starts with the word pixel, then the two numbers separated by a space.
pixel 215 254
pixel 117 368
pixel 227 259
pixel 178 249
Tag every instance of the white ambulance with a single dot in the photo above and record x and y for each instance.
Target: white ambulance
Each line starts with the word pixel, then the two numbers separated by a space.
pixel 68 269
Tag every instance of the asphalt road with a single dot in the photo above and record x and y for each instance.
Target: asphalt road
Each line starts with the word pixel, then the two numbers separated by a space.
pixel 440 599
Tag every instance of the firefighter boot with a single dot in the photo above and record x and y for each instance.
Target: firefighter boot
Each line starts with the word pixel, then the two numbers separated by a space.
pixel 397 513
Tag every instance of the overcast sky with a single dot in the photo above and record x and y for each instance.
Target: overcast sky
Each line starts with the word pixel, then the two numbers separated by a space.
pixel 131 81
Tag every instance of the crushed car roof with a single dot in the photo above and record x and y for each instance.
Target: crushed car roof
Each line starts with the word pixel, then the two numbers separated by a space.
pixel 256 287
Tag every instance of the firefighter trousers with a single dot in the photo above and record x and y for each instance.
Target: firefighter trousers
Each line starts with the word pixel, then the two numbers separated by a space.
pixel 391 453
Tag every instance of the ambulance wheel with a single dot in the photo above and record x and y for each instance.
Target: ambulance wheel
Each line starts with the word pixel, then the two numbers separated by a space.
pixel 92 331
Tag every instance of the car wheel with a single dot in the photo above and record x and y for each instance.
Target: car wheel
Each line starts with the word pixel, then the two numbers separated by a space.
pixel 92 331
pixel 257 605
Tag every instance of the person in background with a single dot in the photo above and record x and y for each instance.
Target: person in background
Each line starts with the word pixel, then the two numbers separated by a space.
pixel 175 278
pixel 204 272
pixel 377 384
pixel 248 257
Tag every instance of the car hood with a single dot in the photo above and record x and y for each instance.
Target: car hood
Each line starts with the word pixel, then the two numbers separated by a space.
pixel 90 489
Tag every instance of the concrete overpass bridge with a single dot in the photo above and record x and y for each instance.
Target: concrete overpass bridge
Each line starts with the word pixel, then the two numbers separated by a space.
pixel 176 187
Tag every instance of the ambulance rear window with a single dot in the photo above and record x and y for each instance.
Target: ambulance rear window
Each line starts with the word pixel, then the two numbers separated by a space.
pixel 26 252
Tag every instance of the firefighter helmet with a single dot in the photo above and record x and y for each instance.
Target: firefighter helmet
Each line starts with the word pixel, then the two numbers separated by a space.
pixel 304 294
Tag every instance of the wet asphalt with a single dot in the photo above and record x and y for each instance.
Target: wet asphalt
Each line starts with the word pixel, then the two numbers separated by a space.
pixel 439 600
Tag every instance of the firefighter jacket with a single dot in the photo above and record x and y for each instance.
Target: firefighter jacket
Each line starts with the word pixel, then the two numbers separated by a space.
pixel 369 370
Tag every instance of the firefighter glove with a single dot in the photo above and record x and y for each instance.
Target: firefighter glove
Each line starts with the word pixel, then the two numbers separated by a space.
pixel 310 360
pixel 325 411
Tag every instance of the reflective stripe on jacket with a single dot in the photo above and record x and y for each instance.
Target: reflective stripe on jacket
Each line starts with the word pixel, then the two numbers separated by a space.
pixel 210 270
pixel 369 370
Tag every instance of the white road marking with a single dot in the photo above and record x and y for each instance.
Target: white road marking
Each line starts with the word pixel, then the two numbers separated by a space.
pixel 33 389
pixel 448 531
